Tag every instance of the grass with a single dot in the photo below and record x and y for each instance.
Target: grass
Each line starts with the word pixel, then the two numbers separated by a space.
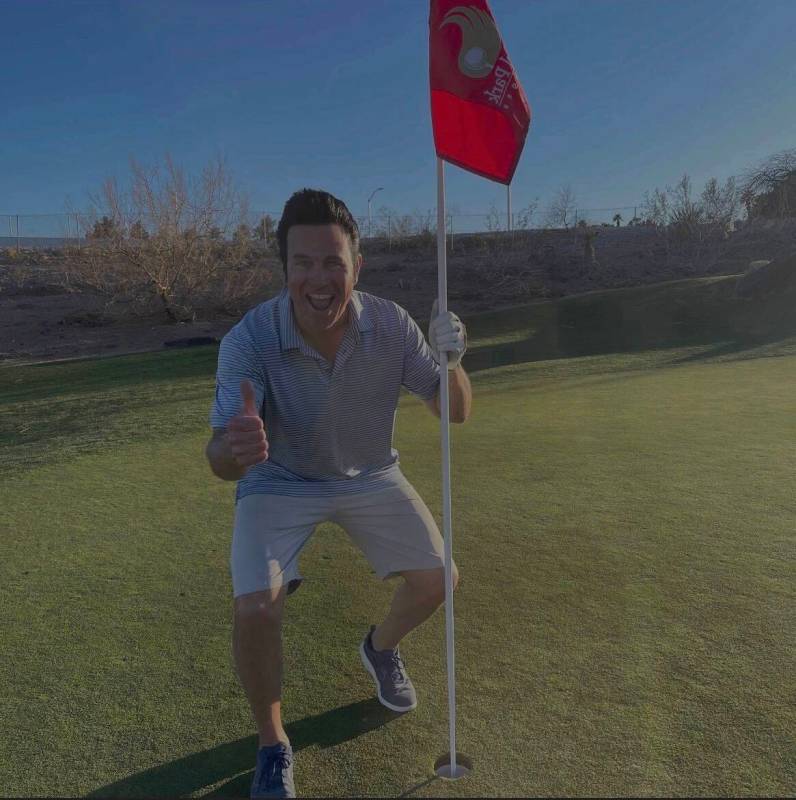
pixel 625 624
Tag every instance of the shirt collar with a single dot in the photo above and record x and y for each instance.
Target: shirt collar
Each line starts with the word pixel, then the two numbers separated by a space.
pixel 288 330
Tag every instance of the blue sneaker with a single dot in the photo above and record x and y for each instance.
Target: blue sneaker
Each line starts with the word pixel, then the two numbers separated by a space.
pixel 273 776
pixel 393 686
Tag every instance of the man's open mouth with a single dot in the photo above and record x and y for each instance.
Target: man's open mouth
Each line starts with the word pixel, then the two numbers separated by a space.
pixel 320 302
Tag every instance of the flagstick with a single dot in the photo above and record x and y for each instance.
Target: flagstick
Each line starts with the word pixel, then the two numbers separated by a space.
pixel 446 467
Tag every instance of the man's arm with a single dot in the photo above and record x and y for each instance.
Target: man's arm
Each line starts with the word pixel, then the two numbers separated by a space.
pixel 460 393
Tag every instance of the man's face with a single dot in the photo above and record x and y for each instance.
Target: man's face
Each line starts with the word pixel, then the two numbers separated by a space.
pixel 319 263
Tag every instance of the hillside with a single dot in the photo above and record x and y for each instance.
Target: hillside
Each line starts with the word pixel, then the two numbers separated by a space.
pixel 674 314
pixel 558 303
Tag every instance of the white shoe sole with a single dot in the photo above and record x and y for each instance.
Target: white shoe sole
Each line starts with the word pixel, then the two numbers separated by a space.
pixel 369 667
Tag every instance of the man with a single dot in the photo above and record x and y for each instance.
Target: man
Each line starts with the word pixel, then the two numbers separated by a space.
pixel 306 394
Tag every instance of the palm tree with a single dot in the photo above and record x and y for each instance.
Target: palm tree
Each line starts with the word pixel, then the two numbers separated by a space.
pixel 617 219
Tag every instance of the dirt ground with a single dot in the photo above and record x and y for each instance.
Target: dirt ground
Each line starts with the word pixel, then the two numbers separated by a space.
pixel 42 321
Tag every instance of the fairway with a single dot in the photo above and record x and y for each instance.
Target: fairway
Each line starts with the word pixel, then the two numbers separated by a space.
pixel 625 621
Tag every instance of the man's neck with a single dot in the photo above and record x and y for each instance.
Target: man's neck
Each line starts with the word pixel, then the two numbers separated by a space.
pixel 338 330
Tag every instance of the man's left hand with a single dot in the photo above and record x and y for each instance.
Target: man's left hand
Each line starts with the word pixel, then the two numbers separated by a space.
pixel 446 332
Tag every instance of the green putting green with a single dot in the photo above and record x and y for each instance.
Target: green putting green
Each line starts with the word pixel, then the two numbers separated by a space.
pixel 623 524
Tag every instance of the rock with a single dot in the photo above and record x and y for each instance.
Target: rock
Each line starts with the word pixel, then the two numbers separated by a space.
pixel 765 276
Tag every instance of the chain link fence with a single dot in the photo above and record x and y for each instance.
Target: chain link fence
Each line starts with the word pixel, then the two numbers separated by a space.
pixel 40 231
pixel 55 231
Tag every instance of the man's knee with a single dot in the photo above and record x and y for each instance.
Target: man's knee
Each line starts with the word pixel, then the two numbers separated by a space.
pixel 266 607
pixel 430 583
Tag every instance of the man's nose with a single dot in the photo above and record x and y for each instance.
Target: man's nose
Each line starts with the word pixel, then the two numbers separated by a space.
pixel 318 273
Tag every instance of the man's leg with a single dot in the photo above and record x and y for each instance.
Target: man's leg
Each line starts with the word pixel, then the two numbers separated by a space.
pixel 257 647
pixel 415 600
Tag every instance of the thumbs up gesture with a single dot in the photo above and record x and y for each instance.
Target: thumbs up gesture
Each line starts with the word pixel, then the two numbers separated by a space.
pixel 246 433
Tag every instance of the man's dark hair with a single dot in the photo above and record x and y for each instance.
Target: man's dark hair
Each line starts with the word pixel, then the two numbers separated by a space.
pixel 316 207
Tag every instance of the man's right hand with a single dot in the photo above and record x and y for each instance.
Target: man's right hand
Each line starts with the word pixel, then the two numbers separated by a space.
pixel 246 433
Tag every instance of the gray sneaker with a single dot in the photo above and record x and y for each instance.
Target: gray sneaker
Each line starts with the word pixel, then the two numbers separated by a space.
pixel 273 776
pixel 393 686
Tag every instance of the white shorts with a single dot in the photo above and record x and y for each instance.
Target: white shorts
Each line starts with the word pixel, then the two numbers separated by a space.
pixel 392 527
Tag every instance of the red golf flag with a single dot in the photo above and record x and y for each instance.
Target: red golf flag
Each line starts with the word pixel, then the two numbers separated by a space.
pixel 479 111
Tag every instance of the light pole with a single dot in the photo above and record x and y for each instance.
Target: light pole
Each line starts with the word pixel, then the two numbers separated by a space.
pixel 369 199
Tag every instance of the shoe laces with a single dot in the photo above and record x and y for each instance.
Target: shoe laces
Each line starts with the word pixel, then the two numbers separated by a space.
pixel 391 662
pixel 396 666
pixel 272 769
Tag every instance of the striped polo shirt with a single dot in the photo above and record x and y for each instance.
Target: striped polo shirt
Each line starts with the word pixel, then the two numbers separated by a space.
pixel 329 426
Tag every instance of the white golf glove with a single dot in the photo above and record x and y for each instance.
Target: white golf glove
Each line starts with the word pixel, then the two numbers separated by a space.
pixel 446 332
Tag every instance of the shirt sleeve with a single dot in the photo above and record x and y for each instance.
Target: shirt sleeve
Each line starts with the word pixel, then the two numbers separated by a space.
pixel 421 370
pixel 236 362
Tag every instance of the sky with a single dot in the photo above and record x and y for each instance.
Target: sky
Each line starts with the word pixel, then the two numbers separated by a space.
pixel 625 95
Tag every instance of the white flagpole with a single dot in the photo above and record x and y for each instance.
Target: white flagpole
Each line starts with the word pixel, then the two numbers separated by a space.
pixel 442 308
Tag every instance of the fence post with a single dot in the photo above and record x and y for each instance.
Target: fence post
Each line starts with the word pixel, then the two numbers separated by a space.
pixel 389 233
pixel 17 233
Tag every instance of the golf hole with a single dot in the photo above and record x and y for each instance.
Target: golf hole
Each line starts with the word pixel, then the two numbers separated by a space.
pixel 442 766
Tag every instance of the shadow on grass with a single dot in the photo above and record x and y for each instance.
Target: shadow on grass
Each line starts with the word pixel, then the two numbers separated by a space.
pixel 702 313
pixel 686 313
pixel 738 347
pixel 232 763
pixel 566 337
pixel 89 376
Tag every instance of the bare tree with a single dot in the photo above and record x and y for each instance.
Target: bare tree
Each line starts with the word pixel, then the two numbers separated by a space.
pixel 655 208
pixel 525 215
pixel 686 215
pixel 138 231
pixel 719 206
pixel 493 219
pixel 426 223
pixel 769 189
pixel 243 233
pixel 695 227
pixel 560 211
pixel 104 228
pixel 403 225
pixel 169 242
pixel 265 230
pixel 384 222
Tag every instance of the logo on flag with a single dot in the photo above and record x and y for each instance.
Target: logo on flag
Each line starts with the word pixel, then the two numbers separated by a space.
pixel 479 111
pixel 480 40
